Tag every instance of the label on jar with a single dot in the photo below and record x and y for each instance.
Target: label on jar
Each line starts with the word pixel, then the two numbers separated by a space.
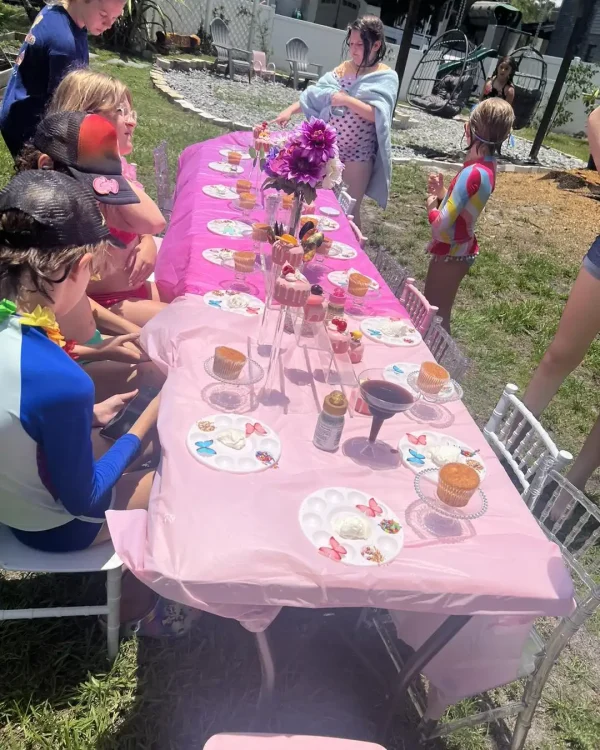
pixel 328 432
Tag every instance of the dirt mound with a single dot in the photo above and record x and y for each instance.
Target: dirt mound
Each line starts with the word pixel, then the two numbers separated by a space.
pixel 585 180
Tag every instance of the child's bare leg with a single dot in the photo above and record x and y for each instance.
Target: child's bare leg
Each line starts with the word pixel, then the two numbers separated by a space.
pixel 112 378
pixel 441 285
pixel 140 311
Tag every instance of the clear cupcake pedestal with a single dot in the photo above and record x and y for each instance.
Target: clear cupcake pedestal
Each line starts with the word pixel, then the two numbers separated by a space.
pixel 233 394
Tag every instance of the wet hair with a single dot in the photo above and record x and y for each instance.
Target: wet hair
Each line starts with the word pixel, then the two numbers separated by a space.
pixel 84 90
pixel 34 269
pixel 371 31
pixel 514 67
pixel 490 124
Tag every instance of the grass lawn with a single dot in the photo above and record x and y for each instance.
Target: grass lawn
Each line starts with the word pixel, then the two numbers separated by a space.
pixel 57 693
pixel 566 143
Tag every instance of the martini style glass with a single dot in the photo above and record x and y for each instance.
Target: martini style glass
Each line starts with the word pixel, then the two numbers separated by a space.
pixel 384 400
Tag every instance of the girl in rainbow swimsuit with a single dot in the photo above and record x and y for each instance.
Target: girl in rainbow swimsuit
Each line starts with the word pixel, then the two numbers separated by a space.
pixel 453 212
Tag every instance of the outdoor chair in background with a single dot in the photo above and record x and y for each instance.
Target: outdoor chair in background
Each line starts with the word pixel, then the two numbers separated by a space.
pixel 393 273
pixel 17 557
pixel 420 311
pixel 261 68
pixel 520 441
pixel 164 193
pixel 297 56
pixel 575 530
pixel 446 351
pixel 229 57
pixel 284 742
pixel 346 201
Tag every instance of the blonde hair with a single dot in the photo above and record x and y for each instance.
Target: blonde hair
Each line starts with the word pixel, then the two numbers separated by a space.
pixel 491 123
pixel 84 90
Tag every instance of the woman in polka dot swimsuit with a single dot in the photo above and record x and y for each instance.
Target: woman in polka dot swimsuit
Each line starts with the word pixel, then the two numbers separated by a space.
pixel 353 119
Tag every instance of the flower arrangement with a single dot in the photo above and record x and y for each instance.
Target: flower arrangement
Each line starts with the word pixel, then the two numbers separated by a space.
pixel 306 160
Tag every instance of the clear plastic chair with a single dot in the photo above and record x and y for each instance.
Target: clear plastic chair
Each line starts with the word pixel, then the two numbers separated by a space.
pixel 446 351
pixel 421 312
pixel 519 439
pixel 346 201
pixel 164 194
pixel 393 273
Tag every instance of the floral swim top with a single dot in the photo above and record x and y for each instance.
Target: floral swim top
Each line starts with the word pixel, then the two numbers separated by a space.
pixel 356 137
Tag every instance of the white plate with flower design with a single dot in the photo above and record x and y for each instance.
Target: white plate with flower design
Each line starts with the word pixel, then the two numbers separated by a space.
pixel 227 151
pixel 222 192
pixel 431 450
pixel 351 527
pixel 234 302
pixel 229 228
pixel 324 224
pixel 223 166
pixel 398 372
pixel 391 331
pixel 220 256
pixel 235 443
pixel 341 251
pixel 340 278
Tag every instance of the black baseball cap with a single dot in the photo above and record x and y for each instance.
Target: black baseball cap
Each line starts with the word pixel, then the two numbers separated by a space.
pixel 66 215
pixel 87 145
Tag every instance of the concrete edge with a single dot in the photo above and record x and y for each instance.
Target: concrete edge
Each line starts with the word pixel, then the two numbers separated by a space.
pixel 435 164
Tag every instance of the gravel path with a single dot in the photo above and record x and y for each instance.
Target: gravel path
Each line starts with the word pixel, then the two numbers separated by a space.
pixel 432 137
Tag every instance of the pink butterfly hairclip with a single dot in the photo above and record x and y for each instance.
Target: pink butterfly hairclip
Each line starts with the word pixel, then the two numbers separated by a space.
pixel 372 509
pixel 104 186
pixel 335 552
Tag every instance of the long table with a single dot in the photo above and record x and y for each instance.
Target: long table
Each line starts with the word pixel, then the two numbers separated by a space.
pixel 232 544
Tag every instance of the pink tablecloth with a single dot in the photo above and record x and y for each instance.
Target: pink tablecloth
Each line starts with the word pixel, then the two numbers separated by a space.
pixel 232 544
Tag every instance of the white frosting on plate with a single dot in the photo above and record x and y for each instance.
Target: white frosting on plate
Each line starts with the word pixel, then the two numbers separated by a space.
pixel 232 438
pixel 444 454
pixel 396 328
pixel 352 527
pixel 238 301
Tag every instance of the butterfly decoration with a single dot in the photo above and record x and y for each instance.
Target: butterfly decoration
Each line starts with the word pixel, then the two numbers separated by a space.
pixel 253 310
pixel 467 453
pixel 203 448
pixel 335 551
pixel 416 439
pixel 214 303
pixel 416 458
pixel 372 509
pixel 374 332
pixel 255 428
pixel 396 369
pixel 267 459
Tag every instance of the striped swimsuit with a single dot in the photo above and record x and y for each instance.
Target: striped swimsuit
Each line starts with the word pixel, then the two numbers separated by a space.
pixel 453 223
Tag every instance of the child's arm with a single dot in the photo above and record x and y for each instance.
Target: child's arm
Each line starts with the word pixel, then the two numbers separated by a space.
pixel 141 218
pixel 472 186
pixel 143 260
pixel 108 321
pixel 486 89
pixel 509 93
pixel 113 349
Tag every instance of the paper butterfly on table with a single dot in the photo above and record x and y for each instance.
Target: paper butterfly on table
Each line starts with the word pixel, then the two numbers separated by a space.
pixel 372 509
pixel 203 448
pixel 335 551
pixel 255 428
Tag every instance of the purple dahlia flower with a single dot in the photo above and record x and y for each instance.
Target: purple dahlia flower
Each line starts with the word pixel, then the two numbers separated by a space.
pixel 317 140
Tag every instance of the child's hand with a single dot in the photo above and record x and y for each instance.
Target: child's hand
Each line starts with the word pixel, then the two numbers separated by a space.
pixel 143 260
pixel 124 348
pixel 106 410
pixel 432 202
pixel 435 185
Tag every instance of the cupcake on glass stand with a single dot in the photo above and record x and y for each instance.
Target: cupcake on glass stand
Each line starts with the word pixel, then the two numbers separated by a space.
pixel 433 382
pixel 314 312
pixel 358 286
pixel 243 186
pixel 234 373
pixel 244 262
pixel 247 203
pixel 457 496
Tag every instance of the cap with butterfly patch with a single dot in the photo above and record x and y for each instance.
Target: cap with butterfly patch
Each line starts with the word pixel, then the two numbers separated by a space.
pixel 87 145
pixel 65 215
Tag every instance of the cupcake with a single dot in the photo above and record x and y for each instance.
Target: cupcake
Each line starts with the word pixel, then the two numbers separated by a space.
pixel 228 363
pixel 357 347
pixel 234 158
pixel 432 378
pixel 358 284
pixel 261 232
pixel 244 261
pixel 247 201
pixel 338 335
pixel 243 186
pixel 456 484
pixel 291 288
pixel 316 306
pixel 336 304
